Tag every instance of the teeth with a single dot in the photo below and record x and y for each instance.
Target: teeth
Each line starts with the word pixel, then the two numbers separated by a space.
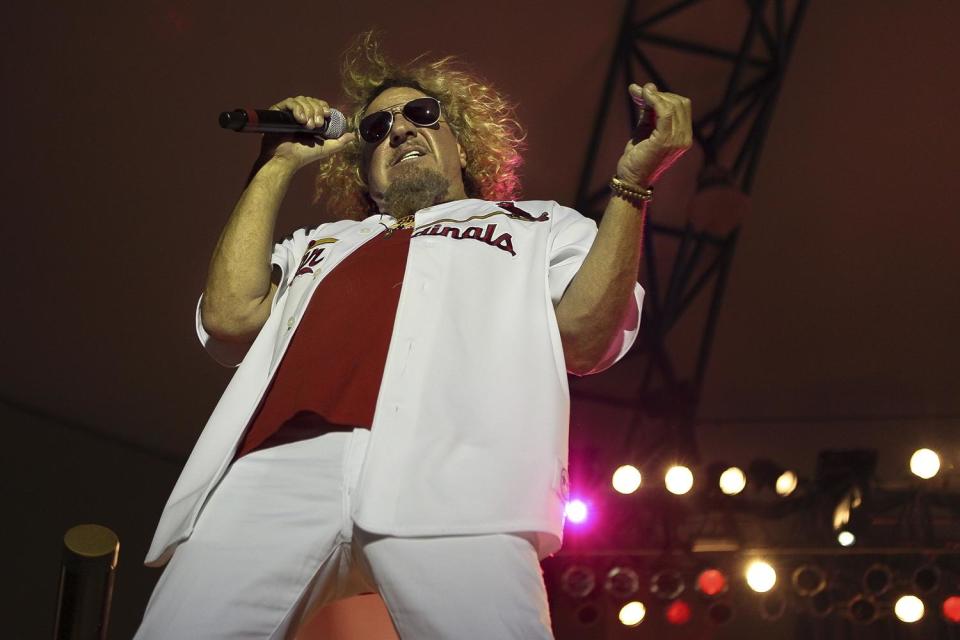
pixel 408 155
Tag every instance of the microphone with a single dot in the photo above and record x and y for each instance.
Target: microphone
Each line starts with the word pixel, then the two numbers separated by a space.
pixel 272 121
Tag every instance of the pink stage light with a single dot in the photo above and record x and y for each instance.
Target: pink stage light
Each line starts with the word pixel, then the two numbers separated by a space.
pixel 576 511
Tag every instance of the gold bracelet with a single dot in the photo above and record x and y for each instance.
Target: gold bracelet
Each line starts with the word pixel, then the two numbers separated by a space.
pixel 637 196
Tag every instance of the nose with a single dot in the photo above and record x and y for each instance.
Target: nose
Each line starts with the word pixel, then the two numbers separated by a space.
pixel 401 130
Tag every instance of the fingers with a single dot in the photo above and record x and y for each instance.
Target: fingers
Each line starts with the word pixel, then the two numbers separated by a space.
pixel 674 119
pixel 308 111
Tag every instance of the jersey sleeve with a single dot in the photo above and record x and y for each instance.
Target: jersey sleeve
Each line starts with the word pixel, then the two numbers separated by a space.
pixel 286 256
pixel 571 237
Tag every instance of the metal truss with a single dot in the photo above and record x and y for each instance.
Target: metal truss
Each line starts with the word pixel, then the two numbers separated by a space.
pixel 685 263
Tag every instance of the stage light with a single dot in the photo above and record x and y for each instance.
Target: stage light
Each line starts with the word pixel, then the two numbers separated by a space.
pixel 786 483
pixel 632 613
pixel 925 463
pixel 862 609
pixel 577 511
pixel 808 580
pixel 908 608
pixel 772 606
pixel 719 612
pixel 877 579
pixel 926 578
pixel 761 577
pixel 732 481
pixel 678 479
pixel 846 538
pixel 678 612
pixel 821 605
pixel 951 609
pixel 588 614
pixel 578 581
pixel 848 503
pixel 711 582
pixel 627 479
pixel 667 584
pixel 622 582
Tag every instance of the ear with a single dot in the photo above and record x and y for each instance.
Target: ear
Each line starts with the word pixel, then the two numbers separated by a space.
pixel 463 156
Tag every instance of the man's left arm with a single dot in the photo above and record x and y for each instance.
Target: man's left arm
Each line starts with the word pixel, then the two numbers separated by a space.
pixel 598 303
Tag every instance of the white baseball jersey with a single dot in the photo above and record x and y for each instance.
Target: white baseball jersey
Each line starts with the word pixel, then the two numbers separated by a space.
pixel 470 428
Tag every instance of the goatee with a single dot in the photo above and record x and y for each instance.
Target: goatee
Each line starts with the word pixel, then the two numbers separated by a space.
pixel 414 188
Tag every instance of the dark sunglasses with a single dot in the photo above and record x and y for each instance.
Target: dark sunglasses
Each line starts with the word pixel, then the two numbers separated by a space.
pixel 423 112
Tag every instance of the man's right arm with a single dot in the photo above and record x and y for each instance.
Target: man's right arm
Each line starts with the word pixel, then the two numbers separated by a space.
pixel 239 292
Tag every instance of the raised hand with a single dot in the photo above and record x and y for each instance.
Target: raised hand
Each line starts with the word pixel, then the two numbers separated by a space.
pixel 643 162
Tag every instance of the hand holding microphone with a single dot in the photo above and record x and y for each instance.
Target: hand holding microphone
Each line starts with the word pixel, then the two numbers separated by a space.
pixel 300 130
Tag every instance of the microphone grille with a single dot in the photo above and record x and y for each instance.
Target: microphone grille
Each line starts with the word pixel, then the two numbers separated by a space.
pixel 337 125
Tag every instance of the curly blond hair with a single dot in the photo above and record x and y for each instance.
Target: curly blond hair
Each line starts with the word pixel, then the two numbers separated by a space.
pixel 481 118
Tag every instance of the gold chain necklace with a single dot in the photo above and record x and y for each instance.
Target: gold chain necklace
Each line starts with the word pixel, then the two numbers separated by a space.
pixel 406 222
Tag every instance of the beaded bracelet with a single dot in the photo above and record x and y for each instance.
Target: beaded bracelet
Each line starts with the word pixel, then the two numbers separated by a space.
pixel 637 196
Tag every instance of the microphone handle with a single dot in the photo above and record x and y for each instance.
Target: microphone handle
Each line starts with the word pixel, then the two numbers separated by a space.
pixel 267 121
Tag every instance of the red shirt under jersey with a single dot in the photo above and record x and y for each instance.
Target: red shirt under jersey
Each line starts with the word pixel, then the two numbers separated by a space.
pixel 330 375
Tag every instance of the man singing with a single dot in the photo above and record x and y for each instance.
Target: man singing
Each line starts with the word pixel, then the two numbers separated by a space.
pixel 398 422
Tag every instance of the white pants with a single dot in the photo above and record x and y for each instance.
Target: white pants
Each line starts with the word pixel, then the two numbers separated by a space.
pixel 276 541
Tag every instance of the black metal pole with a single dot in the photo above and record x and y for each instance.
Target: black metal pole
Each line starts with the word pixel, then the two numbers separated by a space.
pixel 90 554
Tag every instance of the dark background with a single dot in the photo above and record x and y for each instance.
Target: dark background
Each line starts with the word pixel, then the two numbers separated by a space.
pixel 837 329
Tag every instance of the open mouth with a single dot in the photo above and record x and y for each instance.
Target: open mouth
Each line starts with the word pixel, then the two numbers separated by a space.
pixel 409 155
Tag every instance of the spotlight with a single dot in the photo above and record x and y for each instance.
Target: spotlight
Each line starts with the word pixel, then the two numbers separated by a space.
pixel 576 511
pixel 678 479
pixel 846 538
pixel 908 608
pixel 821 605
pixel 786 483
pixel 862 609
pixel 808 580
pixel 772 606
pixel 761 577
pixel 711 582
pixel 719 612
pixel 877 579
pixel 632 613
pixel 588 614
pixel 678 612
pixel 622 582
pixel 667 584
pixel 925 463
pixel 578 581
pixel 732 481
pixel 926 578
pixel 951 609
pixel 626 479
pixel 843 512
